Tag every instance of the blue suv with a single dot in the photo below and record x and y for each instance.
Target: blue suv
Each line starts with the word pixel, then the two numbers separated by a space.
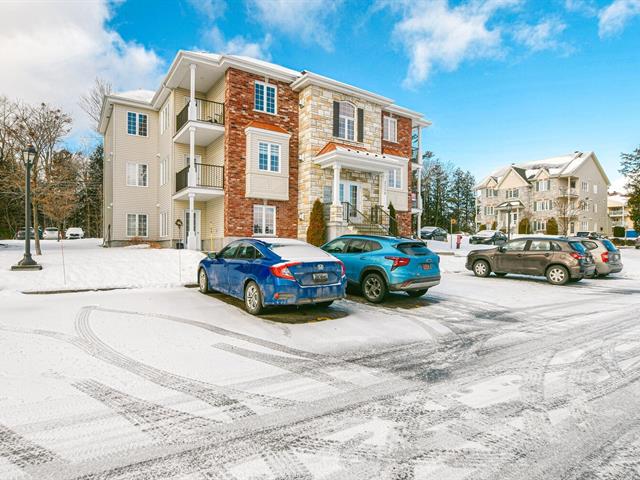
pixel 381 264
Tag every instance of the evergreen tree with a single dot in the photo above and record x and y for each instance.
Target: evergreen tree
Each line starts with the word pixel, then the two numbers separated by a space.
pixel 393 222
pixel 630 168
pixel 316 231
pixel 552 226
pixel 523 226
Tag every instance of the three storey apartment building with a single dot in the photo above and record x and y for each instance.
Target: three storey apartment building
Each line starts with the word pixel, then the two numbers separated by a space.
pixel 231 146
pixel 571 188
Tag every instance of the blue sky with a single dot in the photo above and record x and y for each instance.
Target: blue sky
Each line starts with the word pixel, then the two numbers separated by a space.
pixel 502 80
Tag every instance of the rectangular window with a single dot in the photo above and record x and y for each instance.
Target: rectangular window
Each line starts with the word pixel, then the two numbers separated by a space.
pixel 543 185
pixel 136 225
pixel 269 157
pixel 164 224
pixel 164 119
pixel 137 124
pixel 585 186
pixel 390 129
pixel 595 208
pixel 346 121
pixel 595 188
pixel 265 97
pixel 137 174
pixel 264 220
pixel 395 178
pixel 585 225
pixel 164 171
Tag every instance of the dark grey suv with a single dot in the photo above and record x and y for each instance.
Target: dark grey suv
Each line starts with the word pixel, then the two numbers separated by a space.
pixel 559 259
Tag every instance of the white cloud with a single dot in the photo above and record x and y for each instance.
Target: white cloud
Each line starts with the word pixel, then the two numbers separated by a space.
pixel 305 20
pixel 238 45
pixel 212 9
pixel 585 7
pixel 542 36
pixel 613 18
pixel 436 35
pixel 52 52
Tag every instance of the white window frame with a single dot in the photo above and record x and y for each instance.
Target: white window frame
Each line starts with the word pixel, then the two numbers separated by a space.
pixel 346 119
pixel 585 186
pixel 270 147
pixel 264 209
pixel 137 215
pixel 164 119
pixel 266 85
pixel 137 176
pixel 164 224
pixel 137 114
pixel 584 225
pixel 164 171
pixel 595 188
pixel 386 129
pixel 395 178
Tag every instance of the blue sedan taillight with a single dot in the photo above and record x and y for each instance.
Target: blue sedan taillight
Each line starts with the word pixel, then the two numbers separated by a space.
pixel 281 270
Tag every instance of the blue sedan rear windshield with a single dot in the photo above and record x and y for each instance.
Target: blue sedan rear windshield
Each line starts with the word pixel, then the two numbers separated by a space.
pixel 610 246
pixel 578 247
pixel 414 249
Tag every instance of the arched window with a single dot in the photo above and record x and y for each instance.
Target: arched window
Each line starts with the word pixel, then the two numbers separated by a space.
pixel 347 121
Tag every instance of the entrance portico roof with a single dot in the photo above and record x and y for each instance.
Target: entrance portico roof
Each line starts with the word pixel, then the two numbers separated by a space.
pixel 357 158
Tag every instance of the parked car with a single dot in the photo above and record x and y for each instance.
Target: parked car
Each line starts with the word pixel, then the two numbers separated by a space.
pixel 560 259
pixel 605 254
pixel 50 233
pixel 20 233
pixel 433 233
pixel 380 264
pixel 488 237
pixel 273 271
pixel 74 233
pixel 592 235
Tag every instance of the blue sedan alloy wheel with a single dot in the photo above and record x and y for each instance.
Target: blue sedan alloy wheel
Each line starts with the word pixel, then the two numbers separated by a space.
pixel 203 281
pixel 253 298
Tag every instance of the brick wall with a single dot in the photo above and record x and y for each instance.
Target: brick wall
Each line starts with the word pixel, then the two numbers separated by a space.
pixel 403 148
pixel 238 221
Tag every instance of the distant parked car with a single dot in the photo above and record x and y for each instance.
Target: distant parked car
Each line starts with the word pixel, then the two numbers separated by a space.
pixel 380 264
pixel 433 233
pixel 558 258
pixel 74 233
pixel 50 233
pixel 592 235
pixel 20 233
pixel 488 237
pixel 273 271
pixel 605 254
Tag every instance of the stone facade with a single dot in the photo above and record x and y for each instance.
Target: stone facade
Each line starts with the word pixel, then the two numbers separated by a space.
pixel 239 93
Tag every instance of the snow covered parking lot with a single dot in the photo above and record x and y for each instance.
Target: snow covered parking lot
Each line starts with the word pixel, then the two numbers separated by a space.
pixel 492 378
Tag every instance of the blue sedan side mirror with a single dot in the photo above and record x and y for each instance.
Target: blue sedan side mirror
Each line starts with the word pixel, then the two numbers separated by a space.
pixel 212 255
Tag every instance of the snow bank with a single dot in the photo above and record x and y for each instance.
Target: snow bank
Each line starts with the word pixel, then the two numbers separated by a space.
pixel 89 266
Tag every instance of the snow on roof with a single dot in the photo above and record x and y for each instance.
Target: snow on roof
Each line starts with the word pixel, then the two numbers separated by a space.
pixel 137 95
pixel 282 241
pixel 562 164
pixel 265 64
pixel 617 200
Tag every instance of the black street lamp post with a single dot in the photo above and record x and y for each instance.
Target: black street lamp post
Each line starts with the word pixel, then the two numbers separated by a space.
pixel 27 263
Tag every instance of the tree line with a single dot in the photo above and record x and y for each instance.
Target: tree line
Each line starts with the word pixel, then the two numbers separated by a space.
pixel 448 192
pixel 66 185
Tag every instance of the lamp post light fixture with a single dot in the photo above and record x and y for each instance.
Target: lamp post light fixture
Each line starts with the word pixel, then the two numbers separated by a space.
pixel 27 263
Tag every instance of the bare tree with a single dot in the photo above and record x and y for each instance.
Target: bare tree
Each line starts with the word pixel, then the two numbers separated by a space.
pixel 568 210
pixel 91 102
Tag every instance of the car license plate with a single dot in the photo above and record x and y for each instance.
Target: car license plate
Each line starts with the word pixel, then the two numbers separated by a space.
pixel 320 277
pixel 426 266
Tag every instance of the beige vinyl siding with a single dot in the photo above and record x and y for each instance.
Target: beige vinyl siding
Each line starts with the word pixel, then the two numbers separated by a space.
pixel 400 198
pixel 136 149
pixel 589 172
pixel 179 96
pixel 266 184
pixel 214 153
pixel 165 151
pixel 107 181
pixel 213 224
pixel 216 93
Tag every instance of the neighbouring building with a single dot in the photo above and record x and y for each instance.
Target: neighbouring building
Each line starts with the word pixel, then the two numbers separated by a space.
pixel 230 146
pixel 571 188
pixel 619 214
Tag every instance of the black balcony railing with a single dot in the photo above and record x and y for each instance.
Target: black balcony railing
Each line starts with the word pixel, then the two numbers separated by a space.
pixel 208 176
pixel 206 111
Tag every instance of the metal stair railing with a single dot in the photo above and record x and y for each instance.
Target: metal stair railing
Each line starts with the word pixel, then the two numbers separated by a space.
pixel 382 218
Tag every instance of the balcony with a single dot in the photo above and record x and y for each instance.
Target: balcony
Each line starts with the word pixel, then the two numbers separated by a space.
pixel 208 182
pixel 208 117
pixel 568 192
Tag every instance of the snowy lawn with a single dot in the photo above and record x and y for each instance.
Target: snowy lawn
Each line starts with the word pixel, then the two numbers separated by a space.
pixel 87 265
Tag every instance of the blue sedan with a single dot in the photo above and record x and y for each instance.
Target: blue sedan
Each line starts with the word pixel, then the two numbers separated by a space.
pixel 380 264
pixel 273 271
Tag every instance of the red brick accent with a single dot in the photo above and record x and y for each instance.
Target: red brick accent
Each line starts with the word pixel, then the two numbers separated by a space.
pixel 401 149
pixel 239 113
pixel 404 223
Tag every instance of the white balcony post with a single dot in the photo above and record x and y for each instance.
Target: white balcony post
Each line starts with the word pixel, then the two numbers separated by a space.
pixel 191 234
pixel 383 189
pixel 336 186
pixel 192 92
pixel 192 180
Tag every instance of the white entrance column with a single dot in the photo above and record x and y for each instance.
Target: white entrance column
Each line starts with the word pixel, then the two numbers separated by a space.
pixel 336 186
pixel 191 234
pixel 383 189
pixel 192 92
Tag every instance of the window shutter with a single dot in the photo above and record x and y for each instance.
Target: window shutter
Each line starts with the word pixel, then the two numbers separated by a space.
pixel 360 125
pixel 336 118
